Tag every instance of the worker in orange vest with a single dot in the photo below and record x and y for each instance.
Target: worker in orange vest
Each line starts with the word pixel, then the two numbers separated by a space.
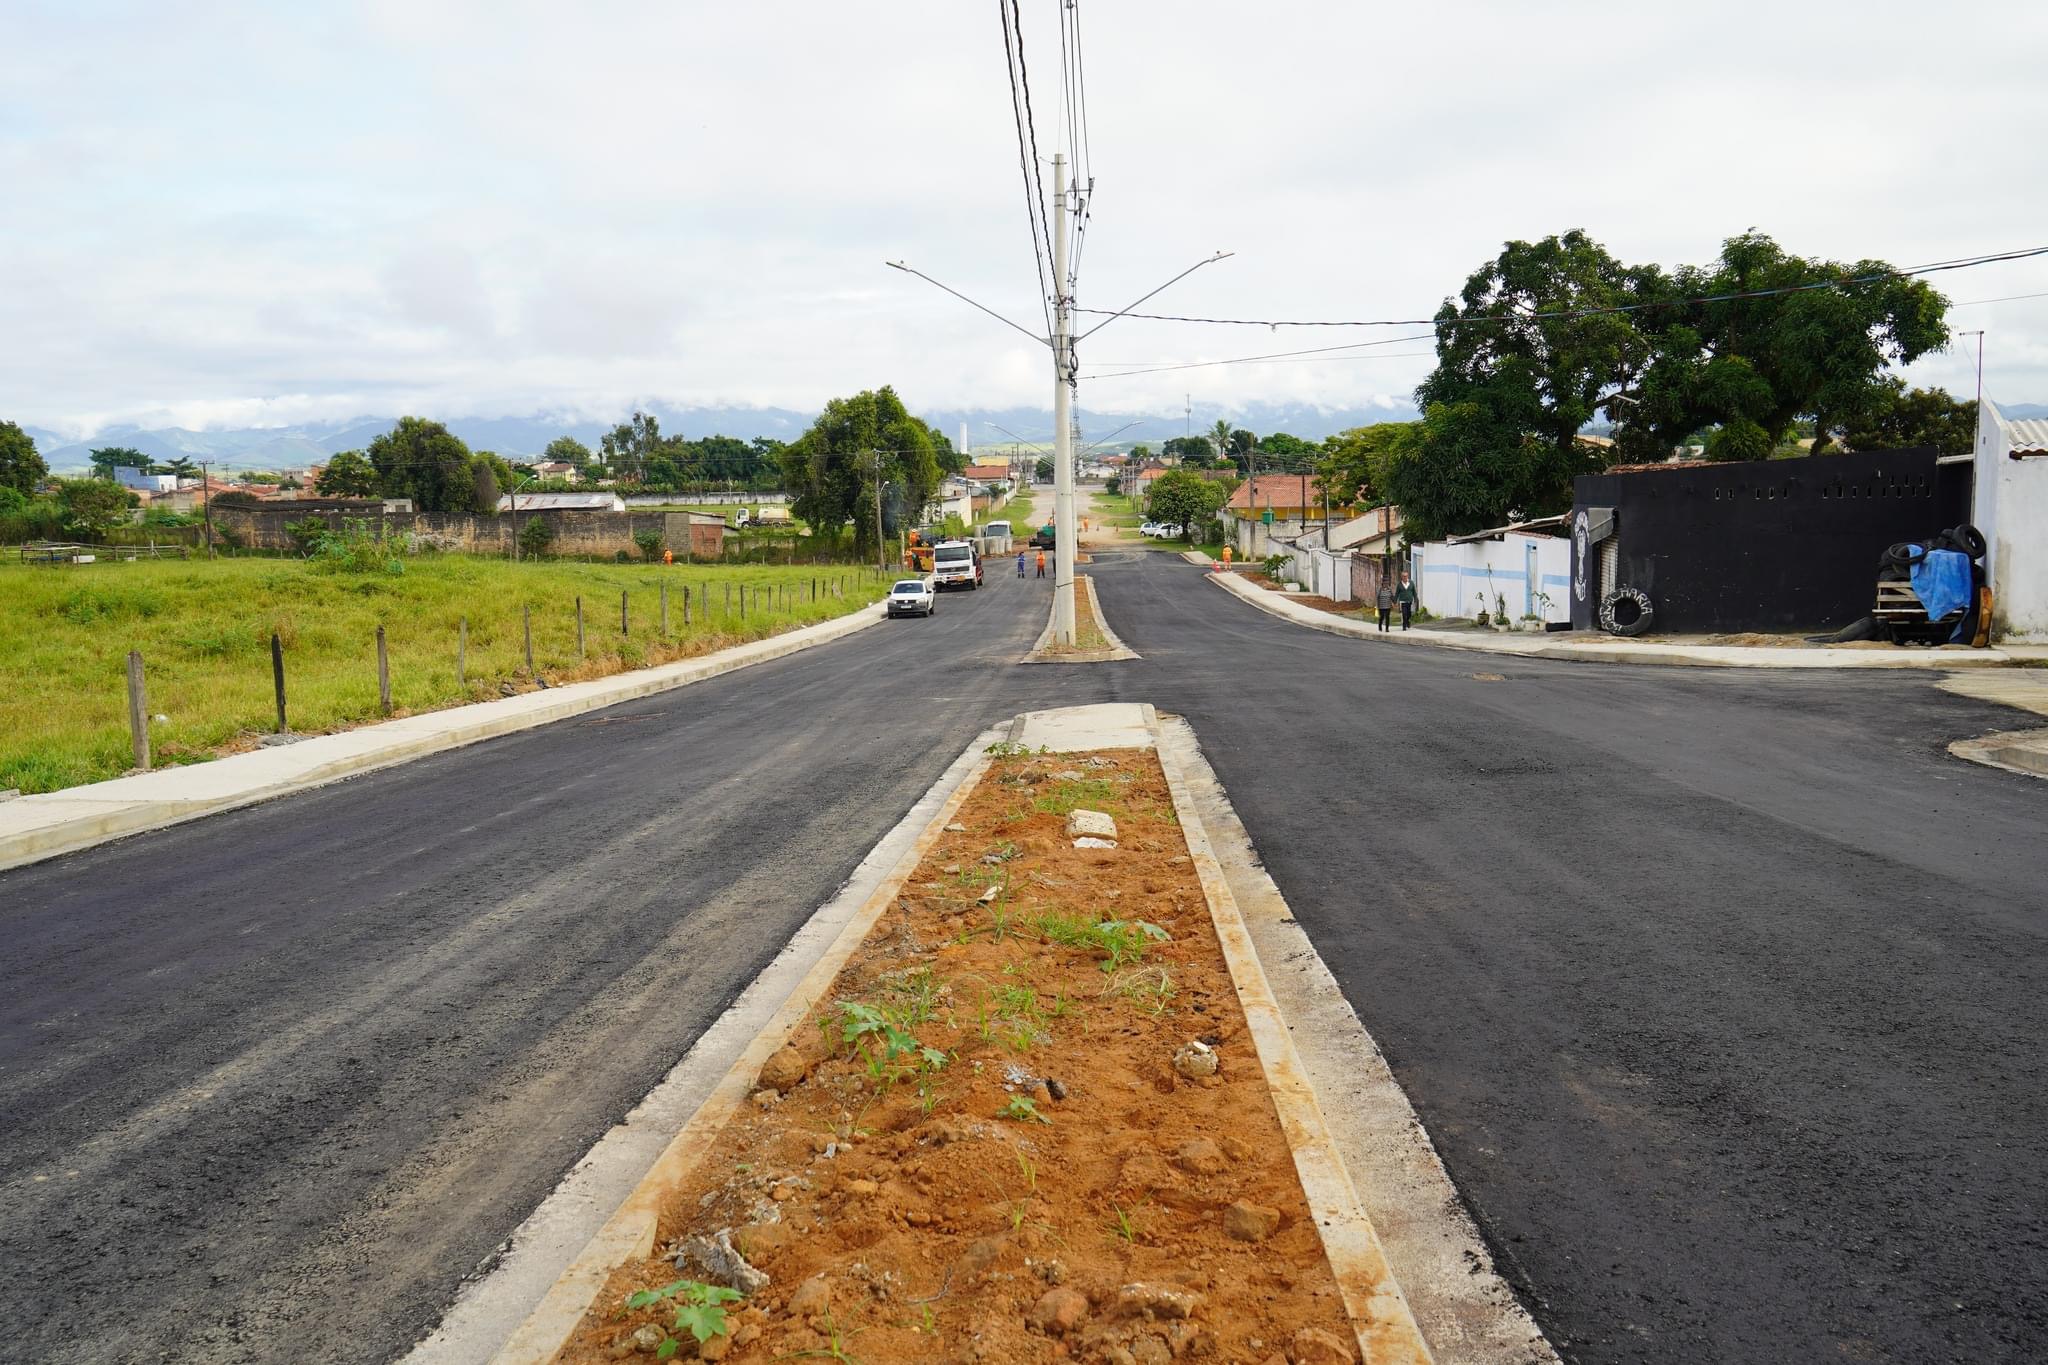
pixel 1226 560
pixel 1041 563
pixel 668 556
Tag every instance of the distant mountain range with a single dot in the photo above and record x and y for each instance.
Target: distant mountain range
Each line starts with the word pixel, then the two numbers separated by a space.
pixel 520 437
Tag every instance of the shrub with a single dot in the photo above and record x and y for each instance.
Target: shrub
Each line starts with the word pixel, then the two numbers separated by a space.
pixel 307 535
pixel 356 549
pixel 535 537
pixel 649 543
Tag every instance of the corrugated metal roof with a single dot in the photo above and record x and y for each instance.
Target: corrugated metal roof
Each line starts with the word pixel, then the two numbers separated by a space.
pixel 2028 433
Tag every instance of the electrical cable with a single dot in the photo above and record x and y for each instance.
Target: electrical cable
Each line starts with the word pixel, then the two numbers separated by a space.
pixel 1959 263
pixel 1027 147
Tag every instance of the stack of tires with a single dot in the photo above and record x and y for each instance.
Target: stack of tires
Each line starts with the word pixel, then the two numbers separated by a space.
pixel 1896 565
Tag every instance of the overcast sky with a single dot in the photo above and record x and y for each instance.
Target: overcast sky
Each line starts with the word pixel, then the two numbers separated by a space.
pixel 257 213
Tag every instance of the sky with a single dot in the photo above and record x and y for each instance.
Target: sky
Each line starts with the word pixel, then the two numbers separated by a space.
pixel 249 214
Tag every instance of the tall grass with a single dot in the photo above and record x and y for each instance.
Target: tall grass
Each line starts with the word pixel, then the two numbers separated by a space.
pixel 204 632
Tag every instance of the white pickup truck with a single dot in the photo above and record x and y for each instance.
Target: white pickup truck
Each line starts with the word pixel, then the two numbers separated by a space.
pixel 955 564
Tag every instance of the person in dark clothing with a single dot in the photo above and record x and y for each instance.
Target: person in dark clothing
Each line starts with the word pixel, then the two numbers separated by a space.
pixel 1384 600
pixel 1405 595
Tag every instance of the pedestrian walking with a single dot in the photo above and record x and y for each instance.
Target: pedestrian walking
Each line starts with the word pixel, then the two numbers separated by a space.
pixel 1384 600
pixel 1020 563
pixel 1405 595
pixel 1041 563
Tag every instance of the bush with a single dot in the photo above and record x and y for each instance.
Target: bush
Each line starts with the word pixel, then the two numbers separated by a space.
pixel 649 543
pixel 307 535
pixel 535 537
pixel 355 549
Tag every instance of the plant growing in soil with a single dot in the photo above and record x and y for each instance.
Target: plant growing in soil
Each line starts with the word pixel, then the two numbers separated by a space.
pixel 1123 1222
pixel 1150 989
pixel 1063 798
pixel 1022 1107
pixel 699 1308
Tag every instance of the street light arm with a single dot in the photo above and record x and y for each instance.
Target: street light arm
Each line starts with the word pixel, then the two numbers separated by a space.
pixel 1219 256
pixel 910 270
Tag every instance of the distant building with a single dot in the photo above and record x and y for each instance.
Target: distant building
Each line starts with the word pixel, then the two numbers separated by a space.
pixel 555 469
pixel 142 482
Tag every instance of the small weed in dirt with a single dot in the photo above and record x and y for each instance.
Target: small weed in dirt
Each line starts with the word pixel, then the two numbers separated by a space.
pixel 1150 989
pixel 1022 1107
pixel 1121 942
pixel 699 1309
pixel 1122 1223
pixel 1064 798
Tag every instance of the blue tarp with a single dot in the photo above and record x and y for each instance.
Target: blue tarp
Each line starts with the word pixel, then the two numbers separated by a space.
pixel 1941 581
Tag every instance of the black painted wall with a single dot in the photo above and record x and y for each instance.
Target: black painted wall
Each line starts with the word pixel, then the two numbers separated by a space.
pixel 1767 546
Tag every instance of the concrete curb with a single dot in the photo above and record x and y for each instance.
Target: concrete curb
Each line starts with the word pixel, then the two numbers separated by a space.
pixel 630 1233
pixel 1373 1300
pixel 1620 652
pixel 33 828
pixel 1446 1273
pixel 2017 751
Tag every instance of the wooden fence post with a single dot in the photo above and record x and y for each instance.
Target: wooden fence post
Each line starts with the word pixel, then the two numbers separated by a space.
pixel 622 613
pixel 526 615
pixel 277 678
pixel 579 625
pixel 664 610
pixel 462 652
pixel 138 711
pixel 383 674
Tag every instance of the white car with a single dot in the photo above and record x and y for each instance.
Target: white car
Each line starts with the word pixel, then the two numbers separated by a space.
pixel 1159 530
pixel 912 597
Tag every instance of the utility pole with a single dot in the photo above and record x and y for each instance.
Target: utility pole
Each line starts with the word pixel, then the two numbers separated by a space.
pixel 881 564
pixel 206 504
pixel 1062 417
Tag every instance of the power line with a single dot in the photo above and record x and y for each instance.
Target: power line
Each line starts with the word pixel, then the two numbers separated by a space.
pixel 1264 360
pixel 1027 150
pixel 1270 355
pixel 1961 263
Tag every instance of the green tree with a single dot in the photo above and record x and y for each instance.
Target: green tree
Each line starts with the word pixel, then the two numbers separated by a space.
pixel 21 466
pixel 628 447
pixel 1140 453
pixel 1184 499
pixel 831 470
pixel 1354 464
pixel 348 474
pixel 1899 418
pixel 107 459
pixel 484 497
pixel 1043 470
pixel 1749 367
pixel 426 462
pixel 1219 436
pixel 567 450
pixel 93 507
pixel 1465 470
pixel 1284 445
pixel 182 467
pixel 1190 449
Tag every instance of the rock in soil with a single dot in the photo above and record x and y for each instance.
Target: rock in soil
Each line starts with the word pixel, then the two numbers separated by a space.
pixel 1200 1156
pixel 1195 1059
pixel 784 1070
pixel 812 1297
pixel 1090 841
pixel 1314 1346
pixel 1090 822
pixel 1157 1300
pixel 1059 1311
pixel 717 1257
pixel 1150 1350
pixel 1250 1222
pixel 644 1338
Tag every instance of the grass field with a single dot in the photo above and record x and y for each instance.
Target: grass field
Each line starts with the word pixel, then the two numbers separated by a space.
pixel 204 632
pixel 1018 511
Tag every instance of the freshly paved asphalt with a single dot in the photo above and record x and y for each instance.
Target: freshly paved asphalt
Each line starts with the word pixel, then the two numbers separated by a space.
pixel 1719 992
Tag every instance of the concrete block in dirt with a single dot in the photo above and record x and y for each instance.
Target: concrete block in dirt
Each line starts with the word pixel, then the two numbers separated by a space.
pixel 1090 824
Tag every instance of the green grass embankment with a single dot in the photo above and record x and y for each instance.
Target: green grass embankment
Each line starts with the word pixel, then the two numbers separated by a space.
pixel 204 632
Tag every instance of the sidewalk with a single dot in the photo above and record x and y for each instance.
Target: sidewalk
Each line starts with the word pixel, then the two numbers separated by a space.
pixel 1605 650
pixel 36 827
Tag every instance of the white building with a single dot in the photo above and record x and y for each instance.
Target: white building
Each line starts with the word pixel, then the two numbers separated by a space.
pixel 143 482
pixel 2011 509
pixel 561 502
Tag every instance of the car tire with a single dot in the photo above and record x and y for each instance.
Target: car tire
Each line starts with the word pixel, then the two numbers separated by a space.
pixel 1970 539
pixel 1626 611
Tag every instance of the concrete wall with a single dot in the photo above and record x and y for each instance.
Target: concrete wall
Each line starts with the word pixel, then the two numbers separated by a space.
pixel 2011 509
pixel 598 534
pixel 1449 578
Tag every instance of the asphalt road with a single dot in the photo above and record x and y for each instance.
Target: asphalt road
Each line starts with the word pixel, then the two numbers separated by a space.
pixel 1719 992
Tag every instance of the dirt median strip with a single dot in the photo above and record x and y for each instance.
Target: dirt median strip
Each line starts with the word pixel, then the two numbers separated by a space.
pixel 1022 1115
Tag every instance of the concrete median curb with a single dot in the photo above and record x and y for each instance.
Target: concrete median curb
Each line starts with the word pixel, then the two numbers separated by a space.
pixel 1617 652
pixel 2017 751
pixel 1386 1329
pixel 33 828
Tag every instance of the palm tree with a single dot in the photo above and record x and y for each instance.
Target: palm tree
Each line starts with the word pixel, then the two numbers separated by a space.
pixel 1219 436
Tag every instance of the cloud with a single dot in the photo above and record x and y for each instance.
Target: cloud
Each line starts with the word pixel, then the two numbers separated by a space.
pixel 471 208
